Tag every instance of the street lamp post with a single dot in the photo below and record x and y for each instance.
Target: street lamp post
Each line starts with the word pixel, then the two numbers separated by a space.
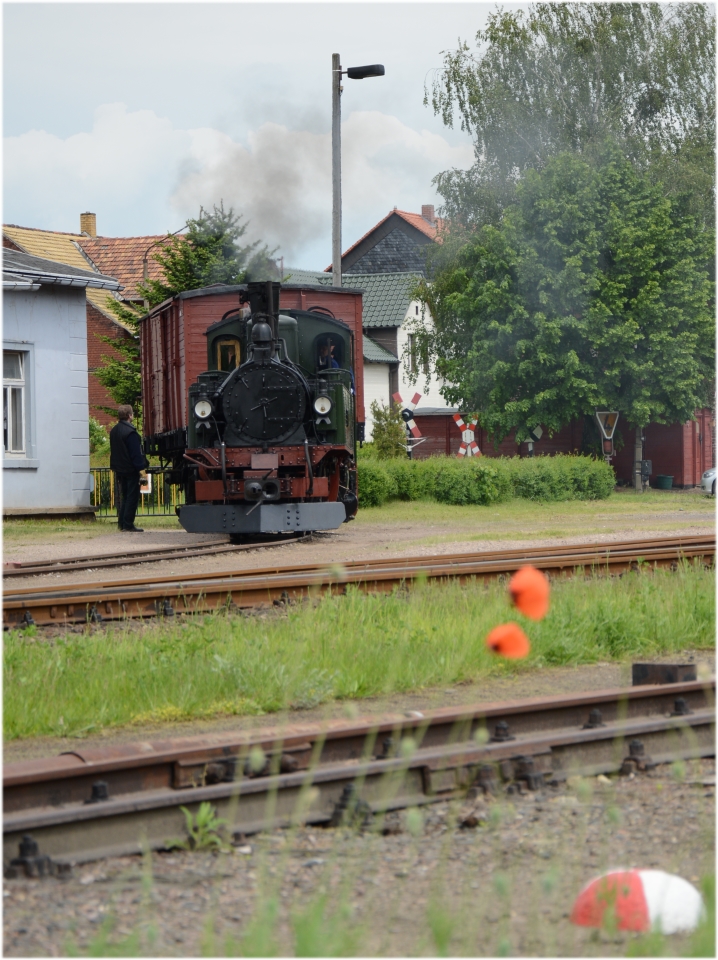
pixel 354 73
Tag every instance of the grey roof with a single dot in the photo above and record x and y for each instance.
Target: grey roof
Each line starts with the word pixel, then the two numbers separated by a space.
pixel 24 271
pixel 386 296
pixel 291 282
pixel 395 253
pixel 375 353
pixel 295 276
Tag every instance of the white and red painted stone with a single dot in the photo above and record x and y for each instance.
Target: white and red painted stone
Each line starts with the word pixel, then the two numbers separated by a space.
pixel 639 900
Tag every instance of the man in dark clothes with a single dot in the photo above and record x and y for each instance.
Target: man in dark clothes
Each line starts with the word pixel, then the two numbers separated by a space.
pixel 127 460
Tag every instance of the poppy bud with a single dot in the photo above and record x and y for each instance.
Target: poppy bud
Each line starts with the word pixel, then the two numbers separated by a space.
pixel 530 590
pixel 509 640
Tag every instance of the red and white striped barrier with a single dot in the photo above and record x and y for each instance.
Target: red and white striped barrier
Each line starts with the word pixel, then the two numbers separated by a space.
pixel 468 446
pixel 639 900
pixel 407 412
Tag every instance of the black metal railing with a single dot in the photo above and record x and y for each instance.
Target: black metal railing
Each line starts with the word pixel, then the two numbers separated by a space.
pixel 157 498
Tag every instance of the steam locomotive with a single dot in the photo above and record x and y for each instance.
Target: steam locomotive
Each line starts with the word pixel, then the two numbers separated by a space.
pixel 269 444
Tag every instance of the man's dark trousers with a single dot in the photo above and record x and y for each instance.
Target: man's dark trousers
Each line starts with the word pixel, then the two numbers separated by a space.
pixel 128 498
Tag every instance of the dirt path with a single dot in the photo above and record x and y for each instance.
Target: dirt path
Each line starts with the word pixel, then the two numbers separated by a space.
pixel 402 530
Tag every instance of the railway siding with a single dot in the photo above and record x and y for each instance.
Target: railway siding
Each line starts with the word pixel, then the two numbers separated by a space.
pixel 308 772
pixel 158 597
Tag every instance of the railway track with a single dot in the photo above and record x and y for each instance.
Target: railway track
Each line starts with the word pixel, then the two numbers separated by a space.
pixel 116 800
pixel 101 561
pixel 196 593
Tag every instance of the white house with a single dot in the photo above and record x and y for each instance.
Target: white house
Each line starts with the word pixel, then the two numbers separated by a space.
pixel 46 458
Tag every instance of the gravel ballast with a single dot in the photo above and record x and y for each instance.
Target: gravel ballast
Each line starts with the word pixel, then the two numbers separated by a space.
pixel 501 884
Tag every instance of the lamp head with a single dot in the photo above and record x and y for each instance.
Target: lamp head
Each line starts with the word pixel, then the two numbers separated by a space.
pixel 372 70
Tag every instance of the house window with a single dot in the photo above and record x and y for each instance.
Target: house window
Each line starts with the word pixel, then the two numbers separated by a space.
pixel 13 395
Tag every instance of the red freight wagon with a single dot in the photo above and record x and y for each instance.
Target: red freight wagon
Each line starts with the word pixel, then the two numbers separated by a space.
pixel 253 398
pixel 174 346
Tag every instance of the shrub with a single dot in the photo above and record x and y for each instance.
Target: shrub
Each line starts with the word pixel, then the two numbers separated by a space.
pixel 375 485
pixel 98 436
pixel 389 432
pixel 563 477
pixel 485 480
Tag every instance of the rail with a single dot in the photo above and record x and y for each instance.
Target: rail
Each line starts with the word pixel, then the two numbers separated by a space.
pixel 149 555
pixel 113 800
pixel 203 592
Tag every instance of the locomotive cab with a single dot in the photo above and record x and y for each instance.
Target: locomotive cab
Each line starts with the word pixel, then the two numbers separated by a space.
pixel 271 427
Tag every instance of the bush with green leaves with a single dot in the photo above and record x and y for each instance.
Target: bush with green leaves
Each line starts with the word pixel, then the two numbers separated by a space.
pixel 375 485
pixel 98 436
pixel 484 481
pixel 388 431
pixel 559 478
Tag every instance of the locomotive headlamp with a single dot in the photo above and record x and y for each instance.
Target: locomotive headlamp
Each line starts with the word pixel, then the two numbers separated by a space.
pixel 203 409
pixel 323 405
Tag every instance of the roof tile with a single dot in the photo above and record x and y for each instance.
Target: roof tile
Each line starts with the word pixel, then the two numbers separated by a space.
pixel 375 353
pixel 431 230
pixel 122 257
pixel 61 247
pixel 386 296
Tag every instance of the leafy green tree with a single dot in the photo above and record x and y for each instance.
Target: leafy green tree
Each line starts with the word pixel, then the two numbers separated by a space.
pixel 210 252
pixel 121 371
pixel 592 292
pixel 568 77
pixel 388 432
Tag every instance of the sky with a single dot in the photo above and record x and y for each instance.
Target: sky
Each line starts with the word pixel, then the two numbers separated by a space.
pixel 142 113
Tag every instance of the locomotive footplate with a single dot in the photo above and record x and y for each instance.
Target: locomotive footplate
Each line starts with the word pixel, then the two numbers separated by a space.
pixel 266 518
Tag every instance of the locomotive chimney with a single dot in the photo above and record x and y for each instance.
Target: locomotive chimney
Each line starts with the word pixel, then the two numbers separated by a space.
pixel 88 224
pixel 271 309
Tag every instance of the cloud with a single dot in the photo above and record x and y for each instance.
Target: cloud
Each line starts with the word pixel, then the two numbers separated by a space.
pixel 122 169
pixel 142 175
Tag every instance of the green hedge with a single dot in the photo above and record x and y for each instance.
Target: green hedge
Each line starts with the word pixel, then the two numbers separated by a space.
pixel 485 480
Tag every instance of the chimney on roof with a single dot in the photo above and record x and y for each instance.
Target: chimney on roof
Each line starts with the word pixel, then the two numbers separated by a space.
pixel 427 212
pixel 88 224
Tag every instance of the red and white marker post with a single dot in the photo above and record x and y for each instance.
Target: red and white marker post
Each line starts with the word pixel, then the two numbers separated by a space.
pixel 468 446
pixel 407 415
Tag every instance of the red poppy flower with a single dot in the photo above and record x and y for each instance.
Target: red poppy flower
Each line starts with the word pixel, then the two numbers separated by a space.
pixel 509 641
pixel 530 591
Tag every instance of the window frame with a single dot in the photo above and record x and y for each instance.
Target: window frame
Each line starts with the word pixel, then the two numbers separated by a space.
pixel 222 341
pixel 334 341
pixel 12 388
pixel 25 459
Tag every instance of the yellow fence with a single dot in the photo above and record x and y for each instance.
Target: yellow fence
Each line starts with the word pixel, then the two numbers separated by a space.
pixel 162 498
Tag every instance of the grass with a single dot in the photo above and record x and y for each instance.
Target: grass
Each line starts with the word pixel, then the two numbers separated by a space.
pixel 18 532
pixel 523 519
pixel 341 647
pixel 514 520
